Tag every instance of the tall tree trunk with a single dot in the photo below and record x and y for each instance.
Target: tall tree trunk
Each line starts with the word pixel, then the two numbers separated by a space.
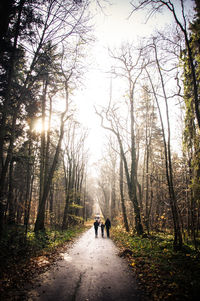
pixel 121 183
pixel 39 225
pixel 147 188
pixel 43 142
pixel 46 161
pixel 29 205
pixel 130 178
pixel 9 84
pixel 5 170
pixel 132 185
pixel 113 195
pixel 168 163
pixel 5 16
pixel 51 213
pixel 132 194
pixel 11 207
pixel 67 192
pixel 28 184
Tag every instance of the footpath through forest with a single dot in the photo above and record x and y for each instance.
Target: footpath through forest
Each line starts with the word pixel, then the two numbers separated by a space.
pixel 90 270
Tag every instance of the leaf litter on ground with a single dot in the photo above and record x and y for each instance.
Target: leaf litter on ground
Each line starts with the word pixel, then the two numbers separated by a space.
pixel 19 268
pixel 162 272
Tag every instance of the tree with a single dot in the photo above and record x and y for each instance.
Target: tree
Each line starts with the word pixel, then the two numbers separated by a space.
pixel 167 151
pixel 181 22
pixel 26 31
pixel 191 132
pixel 121 185
pixel 129 70
pixel 150 135
pixel 74 165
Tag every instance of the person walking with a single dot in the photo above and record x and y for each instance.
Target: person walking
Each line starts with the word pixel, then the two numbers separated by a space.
pixel 96 226
pixel 108 226
pixel 102 229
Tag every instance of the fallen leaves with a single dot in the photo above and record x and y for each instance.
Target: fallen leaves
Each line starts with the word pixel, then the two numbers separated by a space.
pixel 41 261
pixel 133 263
pixel 125 253
pixel 22 268
pixel 164 274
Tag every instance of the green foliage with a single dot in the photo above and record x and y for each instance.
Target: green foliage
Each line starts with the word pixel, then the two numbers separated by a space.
pixel 21 257
pixel 15 245
pixel 166 274
pixel 74 219
pixel 74 205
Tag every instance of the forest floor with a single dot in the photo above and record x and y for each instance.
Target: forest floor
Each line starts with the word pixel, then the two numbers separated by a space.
pixel 88 269
pixel 21 261
pixel 161 273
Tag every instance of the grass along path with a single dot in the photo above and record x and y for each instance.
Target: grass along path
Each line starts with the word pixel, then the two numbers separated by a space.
pixel 163 273
pixel 21 261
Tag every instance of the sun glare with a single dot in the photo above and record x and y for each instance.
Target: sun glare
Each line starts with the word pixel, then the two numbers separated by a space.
pixel 38 127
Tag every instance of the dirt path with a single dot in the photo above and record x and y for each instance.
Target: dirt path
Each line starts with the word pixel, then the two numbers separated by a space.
pixel 91 270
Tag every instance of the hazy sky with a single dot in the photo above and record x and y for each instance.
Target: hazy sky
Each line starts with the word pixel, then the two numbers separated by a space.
pixel 111 28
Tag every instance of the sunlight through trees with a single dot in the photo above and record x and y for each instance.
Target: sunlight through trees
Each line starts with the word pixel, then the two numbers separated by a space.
pixel 148 176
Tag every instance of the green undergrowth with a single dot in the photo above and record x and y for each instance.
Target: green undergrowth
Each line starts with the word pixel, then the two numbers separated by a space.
pixel 22 257
pixel 162 272
pixel 16 247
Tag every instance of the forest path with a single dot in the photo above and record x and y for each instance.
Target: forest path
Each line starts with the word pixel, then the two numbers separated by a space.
pixel 90 270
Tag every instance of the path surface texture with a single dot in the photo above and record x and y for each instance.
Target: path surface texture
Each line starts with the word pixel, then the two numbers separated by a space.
pixel 91 270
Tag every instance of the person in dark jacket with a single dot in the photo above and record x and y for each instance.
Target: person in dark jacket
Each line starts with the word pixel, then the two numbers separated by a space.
pixel 102 229
pixel 108 226
pixel 96 226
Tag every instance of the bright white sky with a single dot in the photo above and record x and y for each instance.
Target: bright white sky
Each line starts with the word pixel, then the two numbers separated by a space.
pixel 110 29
